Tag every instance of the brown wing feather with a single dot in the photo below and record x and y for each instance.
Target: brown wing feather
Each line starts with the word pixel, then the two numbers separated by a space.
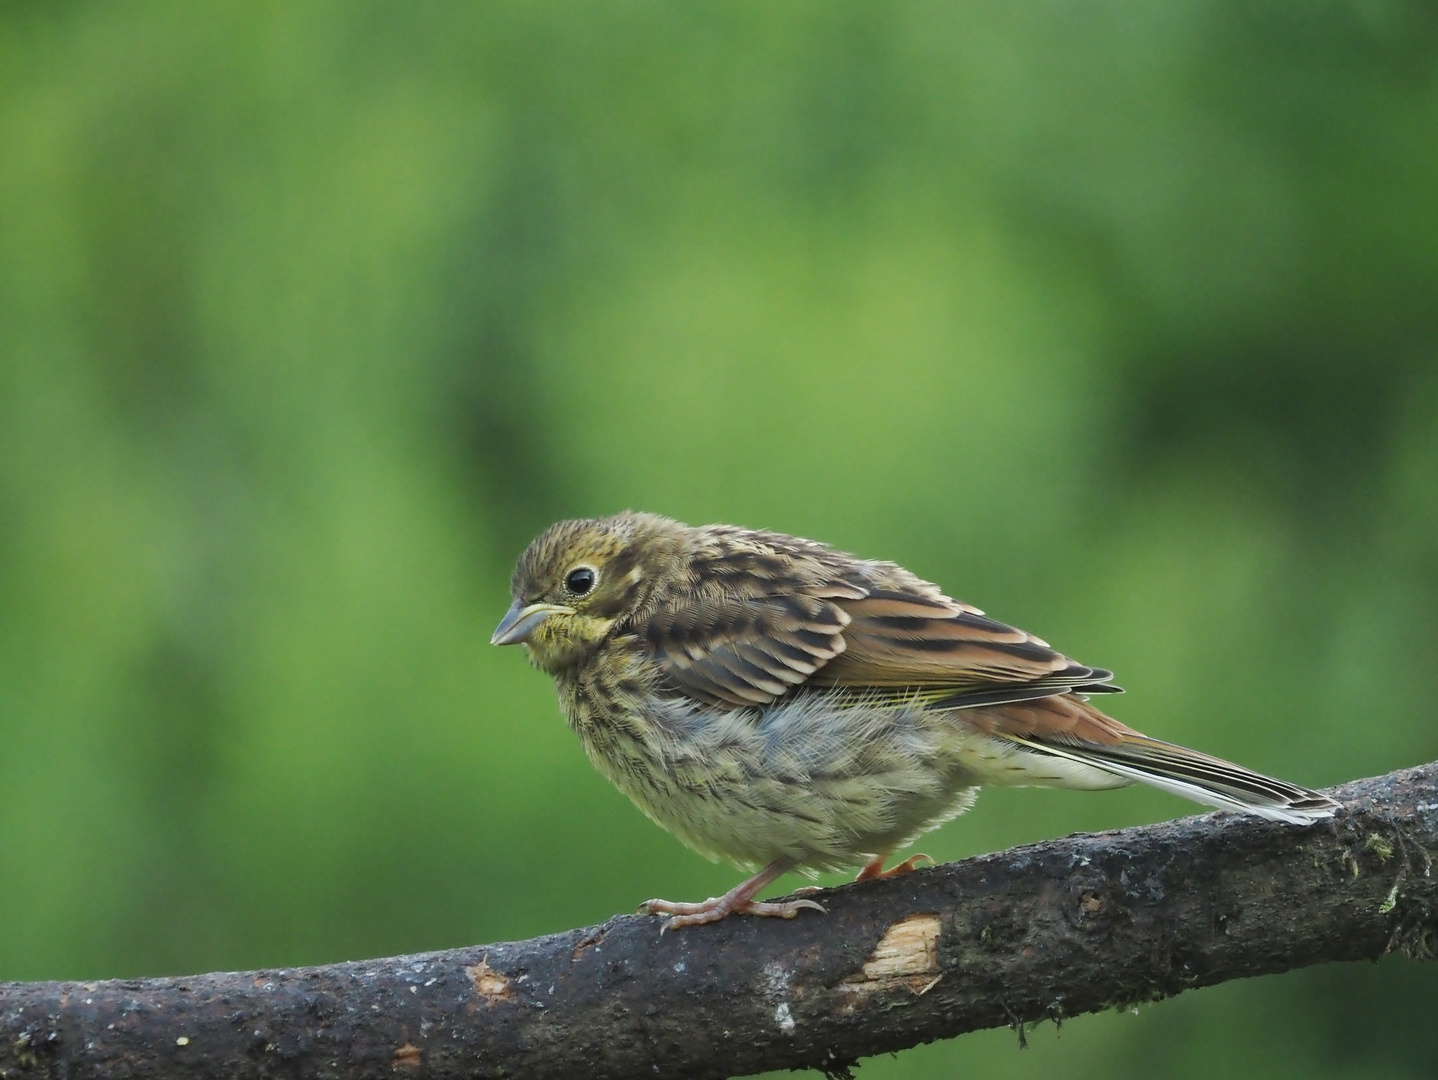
pixel 762 613
pixel 745 651
pixel 947 645
pixel 756 615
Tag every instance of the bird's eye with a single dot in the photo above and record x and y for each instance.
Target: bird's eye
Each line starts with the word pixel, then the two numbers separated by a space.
pixel 581 580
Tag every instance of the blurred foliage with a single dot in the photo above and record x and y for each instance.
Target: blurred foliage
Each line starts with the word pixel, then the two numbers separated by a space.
pixel 1118 319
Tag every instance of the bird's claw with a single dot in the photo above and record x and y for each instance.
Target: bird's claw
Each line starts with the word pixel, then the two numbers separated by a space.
pixel 784 909
pixel 716 908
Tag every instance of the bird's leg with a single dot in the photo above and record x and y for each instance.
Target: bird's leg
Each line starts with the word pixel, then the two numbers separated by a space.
pixel 874 868
pixel 738 900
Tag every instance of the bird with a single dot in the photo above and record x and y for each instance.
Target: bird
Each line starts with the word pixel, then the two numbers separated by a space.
pixel 786 706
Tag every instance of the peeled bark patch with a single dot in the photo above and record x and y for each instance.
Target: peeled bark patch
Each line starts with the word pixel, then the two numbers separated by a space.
pixel 906 957
pixel 491 986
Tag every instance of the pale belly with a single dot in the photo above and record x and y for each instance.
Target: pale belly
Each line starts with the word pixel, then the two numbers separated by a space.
pixel 821 786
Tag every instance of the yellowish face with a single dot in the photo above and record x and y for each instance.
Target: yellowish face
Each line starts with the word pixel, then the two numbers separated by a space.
pixel 563 637
pixel 572 584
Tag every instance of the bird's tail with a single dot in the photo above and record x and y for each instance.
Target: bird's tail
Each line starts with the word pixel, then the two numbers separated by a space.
pixel 1200 777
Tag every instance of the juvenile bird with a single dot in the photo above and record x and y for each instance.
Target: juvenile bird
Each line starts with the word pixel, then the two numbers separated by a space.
pixel 786 706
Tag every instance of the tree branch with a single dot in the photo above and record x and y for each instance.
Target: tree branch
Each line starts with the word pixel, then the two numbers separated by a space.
pixel 1050 930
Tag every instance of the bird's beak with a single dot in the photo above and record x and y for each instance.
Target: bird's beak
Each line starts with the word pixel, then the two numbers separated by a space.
pixel 522 620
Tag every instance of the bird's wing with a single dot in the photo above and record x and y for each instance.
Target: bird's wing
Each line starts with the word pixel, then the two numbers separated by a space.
pixel 753 616
pixel 760 614
pixel 745 651
pixel 907 634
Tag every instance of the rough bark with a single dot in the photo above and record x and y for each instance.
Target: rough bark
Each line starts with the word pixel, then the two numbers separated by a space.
pixel 1050 930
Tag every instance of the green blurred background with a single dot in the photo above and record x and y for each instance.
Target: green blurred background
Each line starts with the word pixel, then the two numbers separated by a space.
pixel 1118 319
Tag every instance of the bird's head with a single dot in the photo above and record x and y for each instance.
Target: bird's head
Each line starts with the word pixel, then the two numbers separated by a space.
pixel 577 579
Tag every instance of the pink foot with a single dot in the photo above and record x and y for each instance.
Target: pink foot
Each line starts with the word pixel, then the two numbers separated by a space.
pixel 874 869
pixel 737 901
